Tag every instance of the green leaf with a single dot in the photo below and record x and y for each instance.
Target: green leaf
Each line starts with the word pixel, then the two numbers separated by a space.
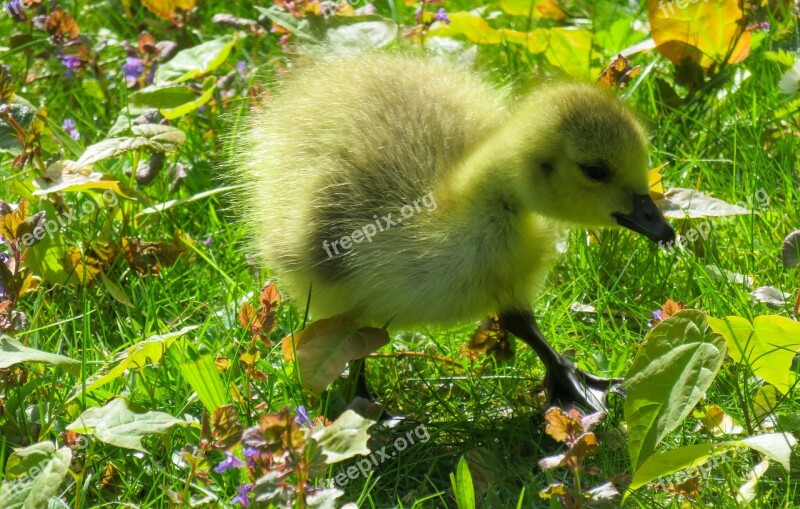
pixel 776 446
pixel 116 425
pixel 72 181
pixel 153 137
pixel 161 96
pixel 299 27
pixel 13 352
pixel 767 346
pixel 34 475
pixel 209 87
pixel 671 372
pixel 569 49
pixel 137 356
pixel 23 113
pixel 161 207
pixel 172 100
pixel 345 438
pixel 116 292
pixel 195 61
pixel 202 375
pixel 462 485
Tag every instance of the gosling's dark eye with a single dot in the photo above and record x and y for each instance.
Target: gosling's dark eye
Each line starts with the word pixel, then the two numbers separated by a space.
pixel 596 172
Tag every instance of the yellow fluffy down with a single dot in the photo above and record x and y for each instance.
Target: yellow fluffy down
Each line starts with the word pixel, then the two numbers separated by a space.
pixel 398 188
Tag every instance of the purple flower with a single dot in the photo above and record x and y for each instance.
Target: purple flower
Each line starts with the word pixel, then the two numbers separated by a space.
pixel 71 128
pixel 71 63
pixel 657 314
pixel 251 453
pixel 133 68
pixel 302 416
pixel 15 10
pixel 241 66
pixel 229 462
pixel 208 240
pixel 243 496
pixel 441 15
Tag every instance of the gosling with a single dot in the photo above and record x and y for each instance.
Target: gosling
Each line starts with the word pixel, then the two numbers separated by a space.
pixel 405 190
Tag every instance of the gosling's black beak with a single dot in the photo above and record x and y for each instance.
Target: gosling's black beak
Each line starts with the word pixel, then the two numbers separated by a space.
pixel 645 218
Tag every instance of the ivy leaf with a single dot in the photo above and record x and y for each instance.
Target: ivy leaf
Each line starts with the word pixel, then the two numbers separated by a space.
pixel 768 345
pixel 34 475
pixel 152 137
pixel 117 425
pixel 195 61
pixel 345 438
pixel 672 370
pixel 324 348
pixel 13 352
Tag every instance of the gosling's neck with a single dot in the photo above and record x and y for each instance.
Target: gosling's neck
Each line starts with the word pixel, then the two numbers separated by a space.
pixel 503 179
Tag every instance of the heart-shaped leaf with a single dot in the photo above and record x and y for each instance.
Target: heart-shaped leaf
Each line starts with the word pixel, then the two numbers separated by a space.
pixel 672 370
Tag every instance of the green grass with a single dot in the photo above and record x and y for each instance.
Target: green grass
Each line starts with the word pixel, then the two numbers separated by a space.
pixel 484 410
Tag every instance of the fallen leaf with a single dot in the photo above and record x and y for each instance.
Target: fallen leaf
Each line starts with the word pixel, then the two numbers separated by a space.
pixel 324 348
pixel 705 33
pixel 680 203
pixel 148 258
pixel 719 424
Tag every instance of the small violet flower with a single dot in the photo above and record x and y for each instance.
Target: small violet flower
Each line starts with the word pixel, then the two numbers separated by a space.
pixel 229 462
pixel 243 496
pixel 15 10
pixel 251 453
pixel 71 63
pixel 302 416
pixel 241 67
pixel 71 128
pixel 133 68
pixel 441 15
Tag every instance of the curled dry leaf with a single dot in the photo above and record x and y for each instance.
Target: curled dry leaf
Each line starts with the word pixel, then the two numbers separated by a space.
pixel 619 73
pixel 264 320
pixel 718 423
pixel 225 428
pixel 169 10
pixel 62 26
pixel 148 258
pixel 561 426
pixel 490 339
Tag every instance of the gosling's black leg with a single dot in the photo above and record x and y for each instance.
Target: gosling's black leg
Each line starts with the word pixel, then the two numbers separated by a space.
pixel 566 384
pixel 360 389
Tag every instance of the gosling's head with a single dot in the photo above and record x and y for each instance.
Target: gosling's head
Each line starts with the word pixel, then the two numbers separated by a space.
pixel 590 155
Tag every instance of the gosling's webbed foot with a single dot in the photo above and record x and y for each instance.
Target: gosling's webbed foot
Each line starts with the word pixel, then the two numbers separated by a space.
pixel 569 386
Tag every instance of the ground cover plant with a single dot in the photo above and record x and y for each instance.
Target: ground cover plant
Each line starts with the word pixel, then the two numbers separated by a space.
pixel 147 361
